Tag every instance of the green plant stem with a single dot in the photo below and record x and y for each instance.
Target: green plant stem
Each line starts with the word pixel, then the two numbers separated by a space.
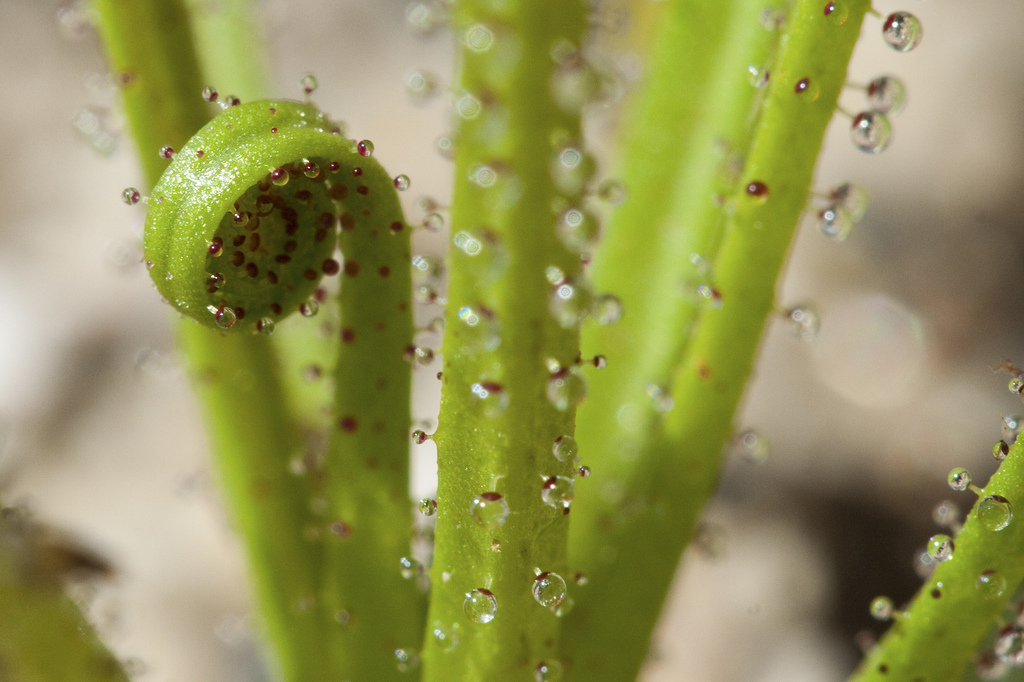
pixel 373 610
pixel 945 624
pixel 246 414
pixel 500 343
pixel 671 480
pixel 43 635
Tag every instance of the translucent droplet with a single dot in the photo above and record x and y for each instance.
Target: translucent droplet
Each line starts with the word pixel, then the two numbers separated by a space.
pixel 411 568
pixel 990 584
pixel 870 131
pixel 886 95
pixel 131 196
pixel 310 308
pixel 308 83
pixel 480 605
pixel 447 638
pixel 210 93
pixel 940 547
pixel 753 446
pixel 804 321
pixel 807 89
pixel 489 510
pixel 946 514
pixel 836 12
pixel 548 671
pixel 959 479
pixel 758 76
pixel 663 401
pixel 1000 450
pixel 548 589
pixel 492 396
pixel 1016 385
pixel 607 309
pixel 467 107
pixel 835 223
pixel 772 18
pixel 421 355
pixel 571 169
pixel 712 296
pixel 600 361
pixel 994 512
pixel 224 317
pixel 757 190
pixel 265 326
pixel 421 86
pixel 478 38
pixel 902 31
pixel 479 332
pixel 578 229
pixel 166 152
pixel 569 303
pixel 567 388
pixel 988 666
pixel 1012 427
pixel 402 182
pixel 467 243
pixel 279 176
pixel 365 148
pixel 445 146
pixel 583 471
pixel 612 191
pixel 419 436
pixel 428 506
pixel 852 198
pixel 558 492
pixel 1009 646
pixel 882 608
pixel 565 449
pixel 406 660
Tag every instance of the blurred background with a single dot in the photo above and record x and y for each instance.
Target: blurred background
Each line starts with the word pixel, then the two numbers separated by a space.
pixel 100 435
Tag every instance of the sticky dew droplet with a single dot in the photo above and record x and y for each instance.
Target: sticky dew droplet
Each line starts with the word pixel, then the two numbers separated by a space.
pixel 131 196
pixel 947 515
pixel 886 95
pixel 902 31
pixel 990 584
pixel 882 608
pixel 480 605
pixel 401 182
pixel 210 93
pixel 567 388
pixel 940 547
pixel 988 666
pixel 309 84
pixel 852 198
pixel 753 446
pixel 959 479
pixel 578 229
pixel 1009 645
pixel 569 303
pixel 310 308
pixel 1012 426
pixel 447 638
pixel 224 317
pixel 489 510
pixel 548 589
pixel 870 131
pixel 1000 450
pixel 607 309
pixel 410 567
pixel 265 326
pixel 558 492
pixel 1016 385
pixel 166 152
pixel 421 86
pixel 836 12
pixel 419 436
pixel 758 76
pixel 994 512
pixel 804 322
pixel 548 671
pixel 427 506
pixel 406 660
pixel 365 148
pixel 835 223
pixel 492 396
pixel 757 190
pixel 565 449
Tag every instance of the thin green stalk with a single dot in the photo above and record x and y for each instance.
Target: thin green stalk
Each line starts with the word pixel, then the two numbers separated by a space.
pixel 671 479
pixel 508 391
pixel 150 41
pixel 958 606
pixel 43 635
